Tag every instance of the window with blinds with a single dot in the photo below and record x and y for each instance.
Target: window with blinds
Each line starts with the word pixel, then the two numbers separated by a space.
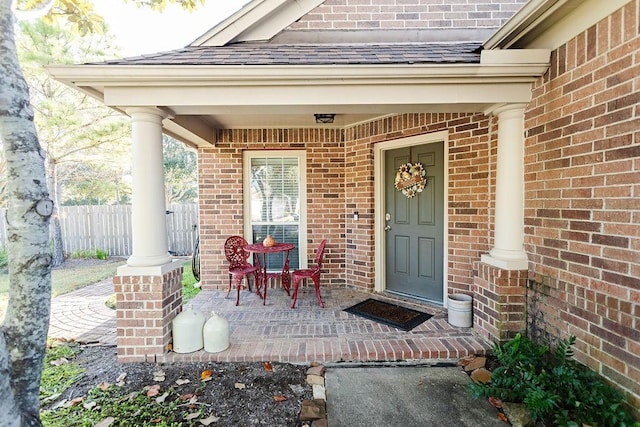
pixel 274 196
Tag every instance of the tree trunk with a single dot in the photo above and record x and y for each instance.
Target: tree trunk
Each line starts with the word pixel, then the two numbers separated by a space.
pixel 24 331
pixel 57 251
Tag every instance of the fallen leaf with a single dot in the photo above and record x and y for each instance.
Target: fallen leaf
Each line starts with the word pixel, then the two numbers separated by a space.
pixel 161 399
pixel 180 381
pixel 192 416
pixel 240 386
pixel 159 375
pixel 495 402
pixel 187 396
pixel 131 395
pixel 210 419
pixel 503 417
pixel 170 347
pixel 89 405
pixel 59 404
pixel 120 379
pixel 73 402
pixel 106 422
pixel 51 398
pixel 279 398
pixel 206 375
pixel 104 385
pixel 193 400
pixel 267 366
pixel 153 390
pixel 156 420
pixel 58 362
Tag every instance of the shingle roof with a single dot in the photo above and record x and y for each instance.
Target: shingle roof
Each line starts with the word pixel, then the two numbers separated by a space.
pixel 310 54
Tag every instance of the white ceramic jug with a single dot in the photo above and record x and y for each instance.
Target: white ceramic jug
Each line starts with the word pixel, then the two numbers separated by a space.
pixel 187 331
pixel 216 334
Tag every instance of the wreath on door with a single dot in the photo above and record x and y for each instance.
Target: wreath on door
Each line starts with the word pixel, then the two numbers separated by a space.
pixel 411 178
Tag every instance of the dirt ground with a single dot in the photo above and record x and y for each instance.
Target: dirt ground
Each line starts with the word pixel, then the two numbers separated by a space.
pixel 240 394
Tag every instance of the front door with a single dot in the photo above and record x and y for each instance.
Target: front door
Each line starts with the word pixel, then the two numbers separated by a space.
pixel 414 226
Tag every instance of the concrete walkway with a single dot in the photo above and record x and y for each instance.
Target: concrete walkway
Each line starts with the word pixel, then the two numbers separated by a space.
pixel 404 396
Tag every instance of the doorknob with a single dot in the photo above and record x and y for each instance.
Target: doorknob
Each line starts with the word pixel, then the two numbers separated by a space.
pixel 387 227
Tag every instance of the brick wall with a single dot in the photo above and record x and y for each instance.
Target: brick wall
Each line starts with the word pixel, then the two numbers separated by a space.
pixel 469 182
pixel 340 181
pixel 407 14
pixel 220 194
pixel 582 189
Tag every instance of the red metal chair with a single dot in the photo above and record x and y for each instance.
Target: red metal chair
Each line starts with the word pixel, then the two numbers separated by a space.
pixel 309 273
pixel 239 267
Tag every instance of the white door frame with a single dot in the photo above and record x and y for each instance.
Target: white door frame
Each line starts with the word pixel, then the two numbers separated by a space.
pixel 379 198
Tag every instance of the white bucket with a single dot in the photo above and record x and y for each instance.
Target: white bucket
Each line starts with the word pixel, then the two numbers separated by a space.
pixel 459 307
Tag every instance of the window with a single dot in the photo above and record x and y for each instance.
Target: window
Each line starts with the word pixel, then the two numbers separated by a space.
pixel 274 188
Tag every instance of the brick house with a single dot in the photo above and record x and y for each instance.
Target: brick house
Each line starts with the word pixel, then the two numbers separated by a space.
pixel 524 114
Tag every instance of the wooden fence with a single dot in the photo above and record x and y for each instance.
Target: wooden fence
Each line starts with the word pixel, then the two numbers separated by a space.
pixel 108 228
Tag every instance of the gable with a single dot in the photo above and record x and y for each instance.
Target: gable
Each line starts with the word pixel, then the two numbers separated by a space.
pixel 361 21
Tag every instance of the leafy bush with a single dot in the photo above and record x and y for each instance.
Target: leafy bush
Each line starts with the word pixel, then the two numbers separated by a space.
pixel 554 387
pixel 89 254
pixel 100 254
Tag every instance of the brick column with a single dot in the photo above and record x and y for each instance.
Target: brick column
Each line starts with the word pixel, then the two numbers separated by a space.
pixel 499 301
pixel 147 300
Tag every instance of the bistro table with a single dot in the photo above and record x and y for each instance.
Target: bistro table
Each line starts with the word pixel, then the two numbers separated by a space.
pixel 259 248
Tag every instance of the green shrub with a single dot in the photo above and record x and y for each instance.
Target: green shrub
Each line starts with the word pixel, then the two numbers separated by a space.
pixel 554 387
pixel 100 254
pixel 89 254
pixel 4 258
pixel 82 254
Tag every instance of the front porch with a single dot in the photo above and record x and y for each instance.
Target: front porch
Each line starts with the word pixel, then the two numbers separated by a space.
pixel 275 332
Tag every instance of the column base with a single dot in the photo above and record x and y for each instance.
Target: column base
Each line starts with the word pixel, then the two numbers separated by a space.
pixel 149 261
pixel 506 260
pixel 499 301
pixel 147 300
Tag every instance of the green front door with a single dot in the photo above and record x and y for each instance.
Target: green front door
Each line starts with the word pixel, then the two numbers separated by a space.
pixel 414 229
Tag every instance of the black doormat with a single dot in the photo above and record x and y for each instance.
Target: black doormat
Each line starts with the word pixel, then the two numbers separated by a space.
pixel 389 314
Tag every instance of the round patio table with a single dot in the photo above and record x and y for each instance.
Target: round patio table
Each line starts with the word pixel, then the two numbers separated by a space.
pixel 259 248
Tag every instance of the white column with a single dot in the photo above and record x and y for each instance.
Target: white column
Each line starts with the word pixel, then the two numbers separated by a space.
pixel 508 251
pixel 148 208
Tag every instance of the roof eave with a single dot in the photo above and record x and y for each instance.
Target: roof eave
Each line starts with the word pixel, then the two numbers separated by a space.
pixel 529 64
pixel 548 24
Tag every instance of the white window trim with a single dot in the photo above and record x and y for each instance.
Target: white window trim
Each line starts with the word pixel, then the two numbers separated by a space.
pixel 301 155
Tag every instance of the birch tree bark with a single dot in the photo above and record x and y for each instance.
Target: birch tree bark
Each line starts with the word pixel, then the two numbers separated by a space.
pixel 24 331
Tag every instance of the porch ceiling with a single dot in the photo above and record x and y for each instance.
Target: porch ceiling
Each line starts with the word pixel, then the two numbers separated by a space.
pixel 202 98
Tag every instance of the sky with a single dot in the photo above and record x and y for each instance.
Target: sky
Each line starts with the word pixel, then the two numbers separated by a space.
pixel 142 31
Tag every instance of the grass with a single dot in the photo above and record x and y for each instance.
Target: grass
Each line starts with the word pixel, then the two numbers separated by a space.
pixel 188 290
pixel 60 375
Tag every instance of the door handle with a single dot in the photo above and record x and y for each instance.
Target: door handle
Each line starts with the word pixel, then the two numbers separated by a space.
pixel 387 227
